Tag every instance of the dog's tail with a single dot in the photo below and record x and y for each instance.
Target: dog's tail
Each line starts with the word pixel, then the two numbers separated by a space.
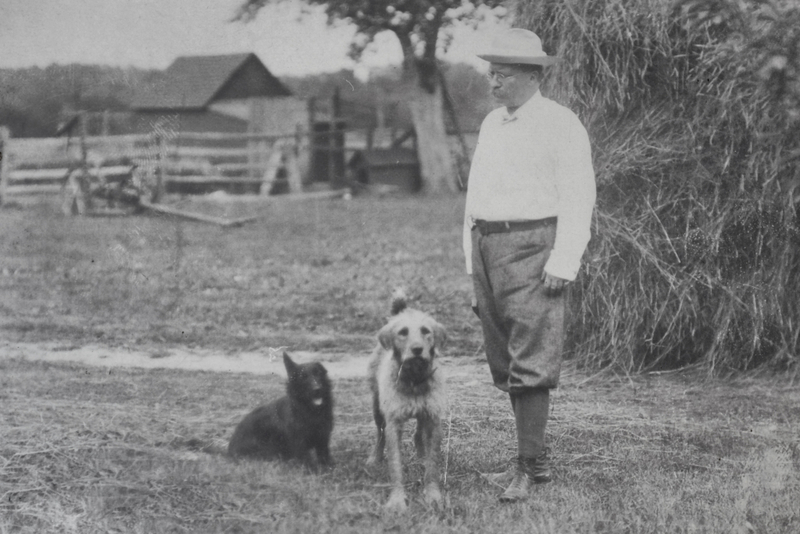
pixel 399 300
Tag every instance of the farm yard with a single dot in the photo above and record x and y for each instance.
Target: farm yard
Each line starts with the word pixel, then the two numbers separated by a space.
pixel 110 448
pixel 133 340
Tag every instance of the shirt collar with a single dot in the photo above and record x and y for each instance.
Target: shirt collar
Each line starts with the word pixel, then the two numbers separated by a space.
pixel 523 110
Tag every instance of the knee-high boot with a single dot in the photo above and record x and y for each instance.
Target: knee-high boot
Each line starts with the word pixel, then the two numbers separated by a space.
pixel 530 412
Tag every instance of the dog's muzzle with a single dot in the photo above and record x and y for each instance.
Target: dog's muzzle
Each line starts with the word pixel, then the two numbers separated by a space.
pixel 415 370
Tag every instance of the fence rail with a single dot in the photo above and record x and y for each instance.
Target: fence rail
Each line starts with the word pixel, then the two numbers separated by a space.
pixel 189 163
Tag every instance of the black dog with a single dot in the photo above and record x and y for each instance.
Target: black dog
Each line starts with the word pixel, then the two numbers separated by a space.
pixel 292 425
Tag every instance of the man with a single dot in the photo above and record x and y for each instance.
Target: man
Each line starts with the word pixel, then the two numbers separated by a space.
pixel 527 223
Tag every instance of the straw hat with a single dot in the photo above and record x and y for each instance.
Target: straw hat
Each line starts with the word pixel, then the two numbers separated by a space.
pixel 518 45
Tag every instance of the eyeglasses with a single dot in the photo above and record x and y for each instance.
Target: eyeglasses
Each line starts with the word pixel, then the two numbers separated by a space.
pixel 500 77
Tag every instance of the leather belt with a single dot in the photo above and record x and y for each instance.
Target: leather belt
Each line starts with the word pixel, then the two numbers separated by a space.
pixel 500 227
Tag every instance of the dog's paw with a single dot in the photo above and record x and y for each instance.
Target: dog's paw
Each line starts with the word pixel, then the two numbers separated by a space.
pixel 433 496
pixel 397 501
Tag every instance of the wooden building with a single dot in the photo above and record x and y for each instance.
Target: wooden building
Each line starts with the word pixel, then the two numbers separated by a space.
pixel 232 93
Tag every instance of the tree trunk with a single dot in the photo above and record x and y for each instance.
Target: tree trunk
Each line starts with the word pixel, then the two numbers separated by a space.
pixel 433 150
pixel 436 163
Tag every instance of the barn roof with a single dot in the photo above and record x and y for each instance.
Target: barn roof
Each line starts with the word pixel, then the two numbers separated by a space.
pixel 193 82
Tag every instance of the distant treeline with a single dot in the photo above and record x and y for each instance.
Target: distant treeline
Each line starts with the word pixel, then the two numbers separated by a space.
pixel 35 101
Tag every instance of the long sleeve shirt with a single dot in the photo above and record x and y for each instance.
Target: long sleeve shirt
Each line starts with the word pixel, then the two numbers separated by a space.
pixel 534 164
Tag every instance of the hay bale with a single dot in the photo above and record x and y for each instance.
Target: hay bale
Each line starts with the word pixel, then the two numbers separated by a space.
pixel 693 108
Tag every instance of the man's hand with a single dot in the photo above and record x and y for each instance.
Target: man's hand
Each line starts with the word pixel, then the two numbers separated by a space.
pixel 553 285
pixel 474 306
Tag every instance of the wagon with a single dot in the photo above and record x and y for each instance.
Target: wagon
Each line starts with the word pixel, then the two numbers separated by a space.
pixel 108 187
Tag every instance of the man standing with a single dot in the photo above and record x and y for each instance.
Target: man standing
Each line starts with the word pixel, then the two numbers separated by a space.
pixel 527 223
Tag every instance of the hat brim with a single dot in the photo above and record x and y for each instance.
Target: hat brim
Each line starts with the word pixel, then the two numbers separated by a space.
pixel 520 60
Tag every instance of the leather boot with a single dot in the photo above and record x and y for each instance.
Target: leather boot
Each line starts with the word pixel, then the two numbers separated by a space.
pixel 527 471
pixel 541 471
pixel 540 468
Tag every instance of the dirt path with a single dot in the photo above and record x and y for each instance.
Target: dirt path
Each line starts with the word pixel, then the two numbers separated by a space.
pixel 339 365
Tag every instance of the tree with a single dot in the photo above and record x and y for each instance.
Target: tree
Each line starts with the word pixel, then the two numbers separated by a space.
pixel 33 100
pixel 421 28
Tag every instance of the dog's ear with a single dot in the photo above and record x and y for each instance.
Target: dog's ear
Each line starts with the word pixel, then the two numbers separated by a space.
pixel 386 336
pixel 291 367
pixel 439 335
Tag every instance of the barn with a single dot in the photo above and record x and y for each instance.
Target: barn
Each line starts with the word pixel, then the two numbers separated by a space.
pixel 233 93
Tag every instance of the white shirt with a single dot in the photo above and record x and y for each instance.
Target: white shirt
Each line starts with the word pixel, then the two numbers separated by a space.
pixel 534 164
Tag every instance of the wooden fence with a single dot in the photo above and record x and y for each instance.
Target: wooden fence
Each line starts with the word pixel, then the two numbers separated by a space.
pixel 189 163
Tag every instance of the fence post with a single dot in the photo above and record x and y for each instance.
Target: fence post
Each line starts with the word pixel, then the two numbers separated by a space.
pixel 160 166
pixel 293 165
pixel 312 113
pixel 302 159
pixel 106 124
pixel 256 148
pixel 271 170
pixel 336 143
pixel 82 128
pixel 313 143
pixel 4 162
pixel 331 148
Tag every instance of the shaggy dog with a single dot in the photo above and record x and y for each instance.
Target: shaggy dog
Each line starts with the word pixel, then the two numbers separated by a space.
pixel 406 382
pixel 293 425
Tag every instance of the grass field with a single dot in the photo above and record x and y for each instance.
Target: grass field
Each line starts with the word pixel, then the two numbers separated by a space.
pixel 87 449
pixel 317 275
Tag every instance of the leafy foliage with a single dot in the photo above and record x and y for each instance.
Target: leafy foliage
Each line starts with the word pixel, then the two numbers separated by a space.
pixel 695 117
pixel 34 100
pixel 418 24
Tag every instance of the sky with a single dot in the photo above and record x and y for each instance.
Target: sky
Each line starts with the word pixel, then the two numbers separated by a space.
pixel 289 39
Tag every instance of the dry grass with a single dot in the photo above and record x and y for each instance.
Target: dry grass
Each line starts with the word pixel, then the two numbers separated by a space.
pixel 97 450
pixel 312 276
